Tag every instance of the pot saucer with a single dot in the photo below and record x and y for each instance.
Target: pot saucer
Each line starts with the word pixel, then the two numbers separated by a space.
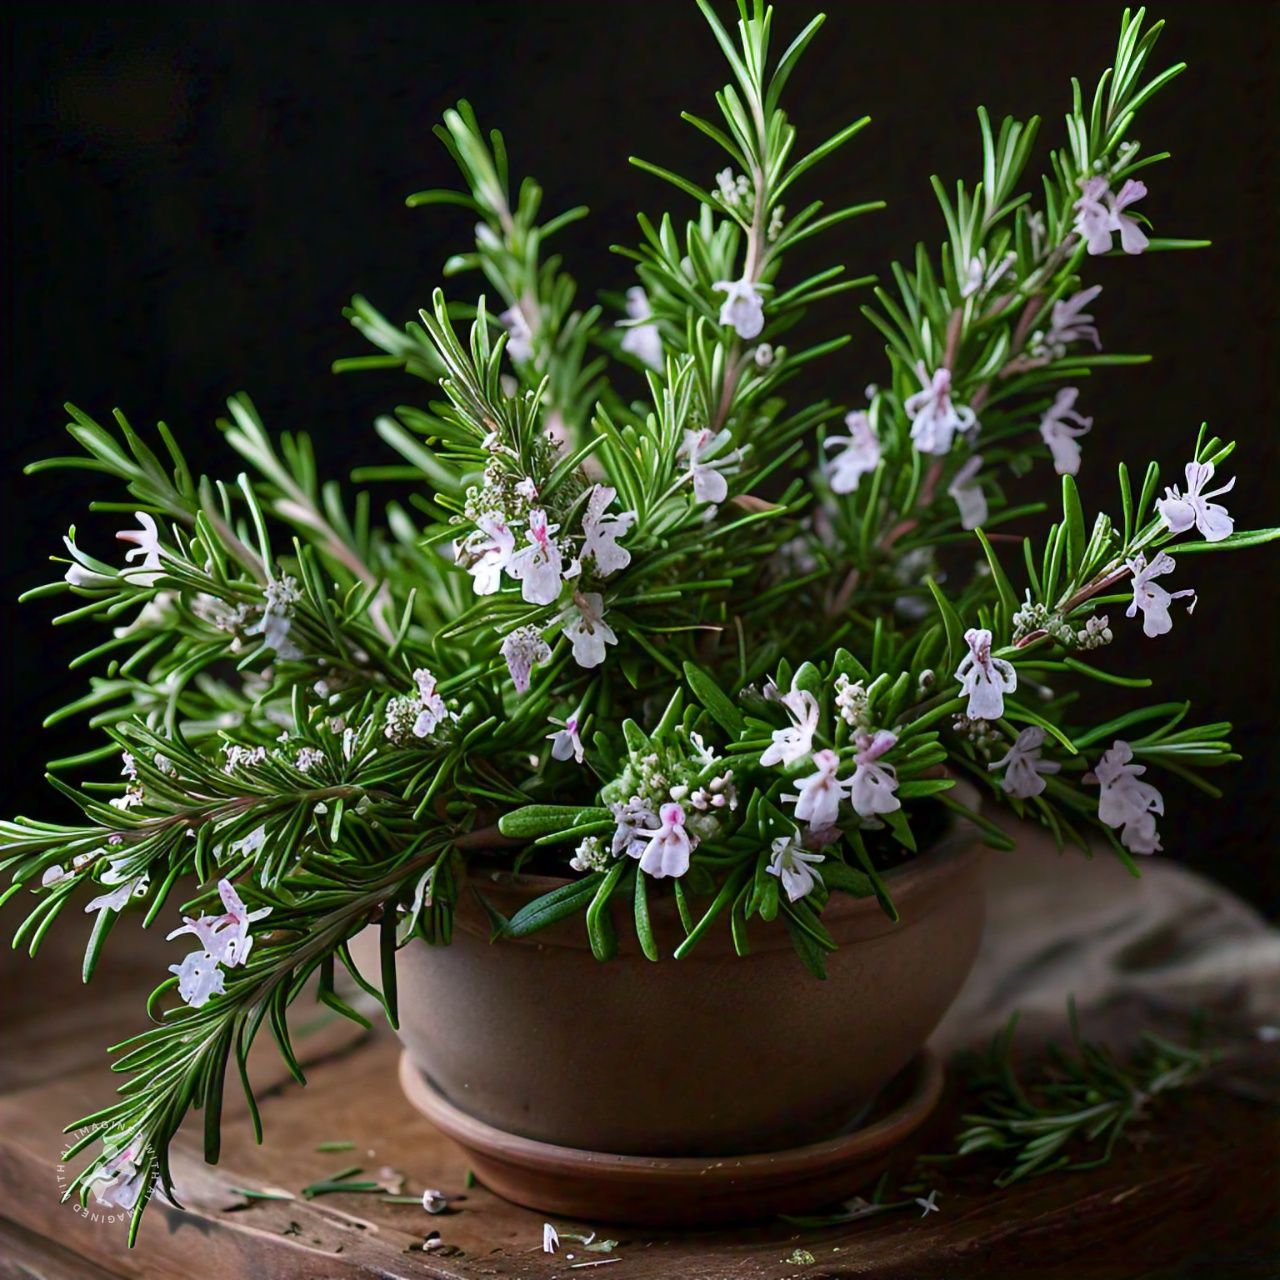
pixel 685 1190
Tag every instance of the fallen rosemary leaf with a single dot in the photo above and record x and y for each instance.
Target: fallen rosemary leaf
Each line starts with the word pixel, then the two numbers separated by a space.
pixel 251 1194
pixel 335 1146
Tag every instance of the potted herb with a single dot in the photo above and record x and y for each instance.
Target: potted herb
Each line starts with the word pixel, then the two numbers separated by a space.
pixel 659 658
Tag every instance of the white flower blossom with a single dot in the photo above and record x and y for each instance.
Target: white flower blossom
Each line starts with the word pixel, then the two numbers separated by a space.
pixel 763 355
pixel 1150 596
pixel 82 571
pixel 249 845
pixel 601 531
pixel 519 335
pixel 872 787
pixel 642 340
pixel 1023 766
pixel 818 802
pixel 794 866
pixel 274 626
pixel 929 1204
pixel 146 542
pixel 667 850
pixel 523 649
pixel 707 470
pixel 796 740
pixel 985 679
pixel 1099 214
pixel 550 1238
pixel 934 419
pixel 199 978
pixel 121 1180
pixel 859 457
pixel 538 567
pixel 1059 436
pixel 586 629
pixel 1125 801
pixel 486 552
pixel 54 874
pixel 743 307
pixel 565 742
pixel 1180 511
pixel 119 897
pixel 969 496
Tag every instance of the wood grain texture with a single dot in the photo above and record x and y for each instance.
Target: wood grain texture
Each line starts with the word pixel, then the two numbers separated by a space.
pixel 1197 1197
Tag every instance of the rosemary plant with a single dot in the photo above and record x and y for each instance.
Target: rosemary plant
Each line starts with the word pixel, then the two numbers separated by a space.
pixel 652 618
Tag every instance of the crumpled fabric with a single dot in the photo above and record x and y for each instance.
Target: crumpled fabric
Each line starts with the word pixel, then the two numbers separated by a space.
pixel 1137 954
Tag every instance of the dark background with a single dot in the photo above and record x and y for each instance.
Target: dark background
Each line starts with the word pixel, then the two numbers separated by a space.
pixel 195 191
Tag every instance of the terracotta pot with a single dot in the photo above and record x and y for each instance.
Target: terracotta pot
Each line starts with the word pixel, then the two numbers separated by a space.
pixel 711 1054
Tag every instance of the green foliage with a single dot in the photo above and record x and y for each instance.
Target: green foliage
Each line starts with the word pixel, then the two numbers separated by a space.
pixel 627 578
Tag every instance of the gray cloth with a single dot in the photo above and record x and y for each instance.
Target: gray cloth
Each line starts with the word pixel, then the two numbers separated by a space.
pixel 1137 954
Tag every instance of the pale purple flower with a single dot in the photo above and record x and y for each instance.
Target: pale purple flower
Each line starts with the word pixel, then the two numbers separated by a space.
pixel 818 802
pixel 199 978
pixel 1125 801
pixel 486 552
pixel 586 629
pixel 707 470
pixel 550 1238
pixel 1099 213
pixel 519 335
pixel 226 938
pixel 431 710
pixel 934 419
pixel 634 824
pixel 859 457
pixel 1023 766
pixel 872 787
pixel 796 740
pixel 601 531
pixel 668 848
pixel 1056 432
pixel 794 866
pixel 54 875
pixel 1180 511
pixel 969 496
pixel 565 742
pixel 985 679
pixel 644 341
pixel 120 1181
pixel 538 567
pixel 1069 322
pixel 523 649
pixel 146 542
pixel 119 897
pixel 1150 596
pixel 743 307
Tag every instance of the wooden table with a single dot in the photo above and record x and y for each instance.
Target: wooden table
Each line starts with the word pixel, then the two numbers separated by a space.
pixel 1197 1198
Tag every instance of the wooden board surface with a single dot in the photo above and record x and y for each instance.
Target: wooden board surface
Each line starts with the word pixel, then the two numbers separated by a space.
pixel 1196 1197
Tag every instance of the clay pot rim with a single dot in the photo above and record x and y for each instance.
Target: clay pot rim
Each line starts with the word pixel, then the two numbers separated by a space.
pixel 741 1173
pixel 916 887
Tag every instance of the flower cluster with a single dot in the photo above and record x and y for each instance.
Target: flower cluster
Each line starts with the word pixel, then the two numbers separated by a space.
pixel 225 943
